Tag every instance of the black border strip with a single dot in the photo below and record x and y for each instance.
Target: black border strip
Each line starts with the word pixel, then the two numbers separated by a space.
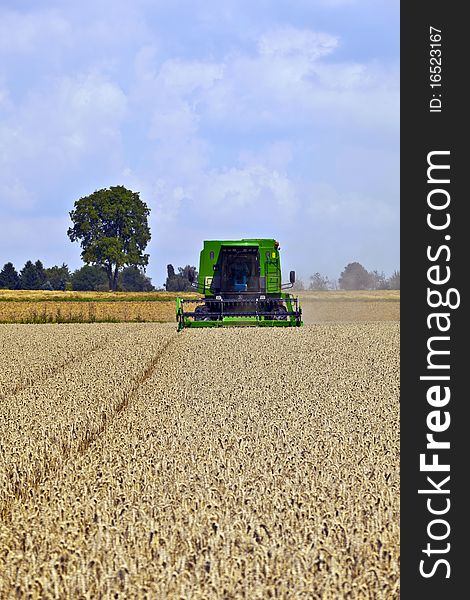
pixel 422 132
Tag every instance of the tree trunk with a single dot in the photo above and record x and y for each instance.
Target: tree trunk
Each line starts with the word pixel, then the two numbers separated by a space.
pixel 109 273
pixel 115 278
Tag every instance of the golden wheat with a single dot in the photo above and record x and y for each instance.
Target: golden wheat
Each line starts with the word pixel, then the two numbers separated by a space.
pixel 37 306
pixel 59 296
pixel 350 306
pixel 231 464
pixel 43 306
pixel 86 312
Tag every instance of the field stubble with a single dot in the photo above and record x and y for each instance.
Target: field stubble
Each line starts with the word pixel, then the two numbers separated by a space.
pixel 230 464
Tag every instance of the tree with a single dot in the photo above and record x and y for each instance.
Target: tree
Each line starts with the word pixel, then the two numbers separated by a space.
pixel 354 277
pixel 333 284
pixel 170 269
pixel 89 278
pixel 378 281
pixel 180 282
pixel 319 283
pixel 40 274
pixel 394 281
pixel 188 273
pixel 29 279
pixel 112 226
pixel 9 278
pixel 58 277
pixel 132 279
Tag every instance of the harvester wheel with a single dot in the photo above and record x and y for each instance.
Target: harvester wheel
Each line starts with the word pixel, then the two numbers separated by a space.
pixel 202 313
pixel 280 313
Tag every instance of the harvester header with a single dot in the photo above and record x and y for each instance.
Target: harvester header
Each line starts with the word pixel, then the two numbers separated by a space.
pixel 240 281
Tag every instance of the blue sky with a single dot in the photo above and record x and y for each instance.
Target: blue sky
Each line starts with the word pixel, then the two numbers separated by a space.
pixel 232 119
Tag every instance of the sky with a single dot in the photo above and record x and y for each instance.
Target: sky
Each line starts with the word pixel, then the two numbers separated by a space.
pixel 232 119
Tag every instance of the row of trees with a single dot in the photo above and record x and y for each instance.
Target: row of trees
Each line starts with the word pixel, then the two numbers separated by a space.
pixel 34 276
pixel 354 277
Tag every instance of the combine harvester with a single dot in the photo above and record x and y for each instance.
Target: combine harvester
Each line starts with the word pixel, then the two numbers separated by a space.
pixel 241 286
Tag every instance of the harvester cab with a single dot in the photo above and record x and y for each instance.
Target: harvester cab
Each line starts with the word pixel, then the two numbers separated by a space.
pixel 240 285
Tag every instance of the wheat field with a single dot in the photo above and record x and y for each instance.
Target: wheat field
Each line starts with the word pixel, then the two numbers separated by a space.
pixel 41 306
pixel 136 462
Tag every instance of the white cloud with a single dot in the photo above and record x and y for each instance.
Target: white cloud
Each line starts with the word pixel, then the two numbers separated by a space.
pixel 55 130
pixel 184 77
pixel 289 42
pixel 145 63
pixel 5 100
pixel 276 155
pixel 287 85
pixel 283 93
pixel 239 194
pixel 326 203
pixel 26 32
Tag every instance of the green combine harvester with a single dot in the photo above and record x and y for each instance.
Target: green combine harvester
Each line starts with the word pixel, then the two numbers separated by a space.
pixel 241 286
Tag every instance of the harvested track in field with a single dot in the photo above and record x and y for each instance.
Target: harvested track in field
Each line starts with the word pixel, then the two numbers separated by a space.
pixel 46 421
pixel 127 397
pixel 245 463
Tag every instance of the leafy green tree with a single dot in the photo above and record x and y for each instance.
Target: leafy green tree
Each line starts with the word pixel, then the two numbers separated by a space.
pixel 112 227
pixel 132 279
pixel 354 277
pixel 319 282
pixel 29 279
pixel 9 278
pixel 89 278
pixel 181 281
pixel 58 276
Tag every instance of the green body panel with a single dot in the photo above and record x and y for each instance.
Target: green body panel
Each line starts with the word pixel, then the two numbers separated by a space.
pixel 260 293
pixel 269 263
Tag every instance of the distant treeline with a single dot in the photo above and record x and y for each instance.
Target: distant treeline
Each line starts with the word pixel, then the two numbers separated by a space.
pixel 354 277
pixel 34 276
pixel 89 278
